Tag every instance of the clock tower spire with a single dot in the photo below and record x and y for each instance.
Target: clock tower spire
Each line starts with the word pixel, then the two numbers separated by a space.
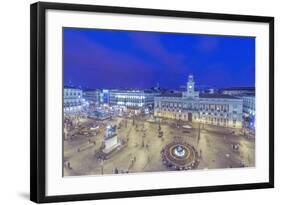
pixel 190 86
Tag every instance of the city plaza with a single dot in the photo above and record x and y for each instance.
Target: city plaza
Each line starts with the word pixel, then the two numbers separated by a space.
pixel 170 133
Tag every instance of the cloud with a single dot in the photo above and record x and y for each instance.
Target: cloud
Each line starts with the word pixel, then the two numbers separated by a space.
pixel 207 44
pixel 152 45
pixel 92 59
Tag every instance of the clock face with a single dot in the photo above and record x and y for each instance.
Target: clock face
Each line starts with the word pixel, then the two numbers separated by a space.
pixel 190 86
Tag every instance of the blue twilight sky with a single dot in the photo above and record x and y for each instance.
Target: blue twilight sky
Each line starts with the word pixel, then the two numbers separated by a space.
pixel 124 59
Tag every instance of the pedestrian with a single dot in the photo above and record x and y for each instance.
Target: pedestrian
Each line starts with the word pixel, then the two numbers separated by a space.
pixel 68 165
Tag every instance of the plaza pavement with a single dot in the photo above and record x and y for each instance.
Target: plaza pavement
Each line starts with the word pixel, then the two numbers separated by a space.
pixel 142 152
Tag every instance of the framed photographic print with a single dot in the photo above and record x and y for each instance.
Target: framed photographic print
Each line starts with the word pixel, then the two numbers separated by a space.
pixel 129 102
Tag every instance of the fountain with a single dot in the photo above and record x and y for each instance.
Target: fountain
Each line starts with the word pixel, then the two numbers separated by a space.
pixel 179 151
pixel 179 155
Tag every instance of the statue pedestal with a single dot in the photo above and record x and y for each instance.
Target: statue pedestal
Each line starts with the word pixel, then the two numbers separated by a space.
pixel 110 139
pixel 110 144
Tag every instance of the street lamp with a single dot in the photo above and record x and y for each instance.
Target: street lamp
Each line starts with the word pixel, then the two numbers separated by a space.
pixel 101 166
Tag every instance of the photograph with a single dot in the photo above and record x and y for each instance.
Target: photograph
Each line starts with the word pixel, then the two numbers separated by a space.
pixel 148 101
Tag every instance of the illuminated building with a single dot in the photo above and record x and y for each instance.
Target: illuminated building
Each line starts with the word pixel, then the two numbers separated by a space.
pixel 132 98
pixel 72 99
pixel 217 109
pixel 104 96
pixel 92 96
pixel 249 110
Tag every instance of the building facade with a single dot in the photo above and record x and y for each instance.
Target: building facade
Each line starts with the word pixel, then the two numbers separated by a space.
pixel 104 96
pixel 249 110
pixel 92 96
pixel 132 98
pixel 247 94
pixel 72 99
pixel 217 109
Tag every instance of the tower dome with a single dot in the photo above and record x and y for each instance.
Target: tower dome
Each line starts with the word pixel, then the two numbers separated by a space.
pixel 190 78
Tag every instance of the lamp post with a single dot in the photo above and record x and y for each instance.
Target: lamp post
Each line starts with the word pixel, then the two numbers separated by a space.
pixel 199 132
pixel 101 166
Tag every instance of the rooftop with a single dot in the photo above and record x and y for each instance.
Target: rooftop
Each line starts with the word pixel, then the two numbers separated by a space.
pixel 171 95
pixel 216 95
pixel 133 91
pixel 240 88
pixel 70 87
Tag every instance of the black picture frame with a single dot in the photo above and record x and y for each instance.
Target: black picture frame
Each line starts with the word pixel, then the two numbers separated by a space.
pixel 38 101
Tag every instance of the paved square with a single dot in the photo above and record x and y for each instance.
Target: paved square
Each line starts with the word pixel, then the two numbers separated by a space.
pixel 142 139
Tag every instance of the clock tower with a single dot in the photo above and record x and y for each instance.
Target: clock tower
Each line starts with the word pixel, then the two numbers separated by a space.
pixel 190 91
pixel 190 86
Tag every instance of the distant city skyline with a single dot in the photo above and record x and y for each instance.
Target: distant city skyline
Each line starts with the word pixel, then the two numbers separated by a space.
pixel 107 59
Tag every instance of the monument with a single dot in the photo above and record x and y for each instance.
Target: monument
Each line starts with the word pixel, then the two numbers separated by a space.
pixel 110 139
